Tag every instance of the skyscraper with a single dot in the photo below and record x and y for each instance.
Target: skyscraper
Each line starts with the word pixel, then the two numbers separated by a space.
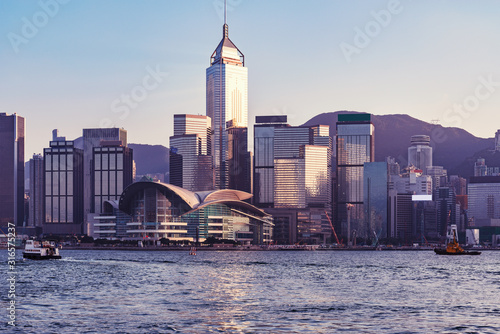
pixel 63 193
pixel 227 100
pixel 446 205
pixel 92 138
pixel 264 158
pixel 11 169
pixel 376 177
pixel 191 162
pixel 439 176
pixel 293 178
pixel 112 172
pixel 420 152
pixel 355 146
pixel 303 181
pixel 409 195
pixel 484 199
pixel 195 124
pixel 239 160
pixel 36 202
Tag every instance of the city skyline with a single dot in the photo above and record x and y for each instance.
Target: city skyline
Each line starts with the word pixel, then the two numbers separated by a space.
pixel 426 59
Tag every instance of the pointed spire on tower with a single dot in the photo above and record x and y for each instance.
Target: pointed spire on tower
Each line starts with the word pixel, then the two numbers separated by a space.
pixel 225 27
pixel 226 52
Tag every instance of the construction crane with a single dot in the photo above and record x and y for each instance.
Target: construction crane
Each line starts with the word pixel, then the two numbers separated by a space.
pixel 331 225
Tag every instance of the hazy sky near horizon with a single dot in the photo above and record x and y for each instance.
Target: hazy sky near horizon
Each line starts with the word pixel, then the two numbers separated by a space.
pixel 74 64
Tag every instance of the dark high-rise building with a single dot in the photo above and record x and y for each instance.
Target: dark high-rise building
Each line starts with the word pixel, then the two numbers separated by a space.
pixel 459 184
pixel 92 138
pixel 36 202
pixel 355 146
pixel 239 160
pixel 447 213
pixel 11 169
pixel 404 217
pixel 264 158
pixel 112 172
pixel 375 182
pixel 175 167
pixel 63 168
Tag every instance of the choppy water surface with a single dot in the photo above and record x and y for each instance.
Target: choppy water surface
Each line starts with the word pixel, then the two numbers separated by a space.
pixel 257 292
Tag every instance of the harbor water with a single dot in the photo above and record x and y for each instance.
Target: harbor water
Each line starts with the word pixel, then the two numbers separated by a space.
pixel 91 291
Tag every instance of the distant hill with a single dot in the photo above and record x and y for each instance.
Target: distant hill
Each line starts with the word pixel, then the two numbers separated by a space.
pixel 151 159
pixel 393 133
pixel 466 168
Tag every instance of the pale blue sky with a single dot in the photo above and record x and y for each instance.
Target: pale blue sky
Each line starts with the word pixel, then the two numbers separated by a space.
pixel 72 72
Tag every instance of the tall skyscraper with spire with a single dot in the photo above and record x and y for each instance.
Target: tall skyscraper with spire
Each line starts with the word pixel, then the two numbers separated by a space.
pixel 227 103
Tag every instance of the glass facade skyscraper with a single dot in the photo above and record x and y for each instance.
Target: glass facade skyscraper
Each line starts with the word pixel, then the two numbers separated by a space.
pixel 227 101
pixel 112 172
pixel 293 178
pixel 446 207
pixel 289 183
pixel 37 201
pixel 303 181
pixel 92 138
pixel 239 160
pixel 11 169
pixel 375 183
pixel 420 152
pixel 185 124
pixel 190 163
pixel 264 158
pixel 63 168
pixel 439 176
pixel 484 197
pixel 355 146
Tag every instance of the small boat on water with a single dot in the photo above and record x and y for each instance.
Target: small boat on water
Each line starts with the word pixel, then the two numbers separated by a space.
pixel 452 246
pixel 40 250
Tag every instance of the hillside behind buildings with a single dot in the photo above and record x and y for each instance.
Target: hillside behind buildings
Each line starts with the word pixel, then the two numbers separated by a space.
pixel 150 159
pixel 452 147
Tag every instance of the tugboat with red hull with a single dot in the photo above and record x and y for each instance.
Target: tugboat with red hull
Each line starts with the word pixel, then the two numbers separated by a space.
pixel 452 246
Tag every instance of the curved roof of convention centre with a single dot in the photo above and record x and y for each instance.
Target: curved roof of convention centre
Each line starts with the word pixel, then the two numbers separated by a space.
pixel 194 200
pixel 224 194
pixel 187 196
pixel 234 203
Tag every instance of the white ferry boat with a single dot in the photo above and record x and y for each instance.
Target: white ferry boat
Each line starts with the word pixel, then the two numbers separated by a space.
pixel 40 250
